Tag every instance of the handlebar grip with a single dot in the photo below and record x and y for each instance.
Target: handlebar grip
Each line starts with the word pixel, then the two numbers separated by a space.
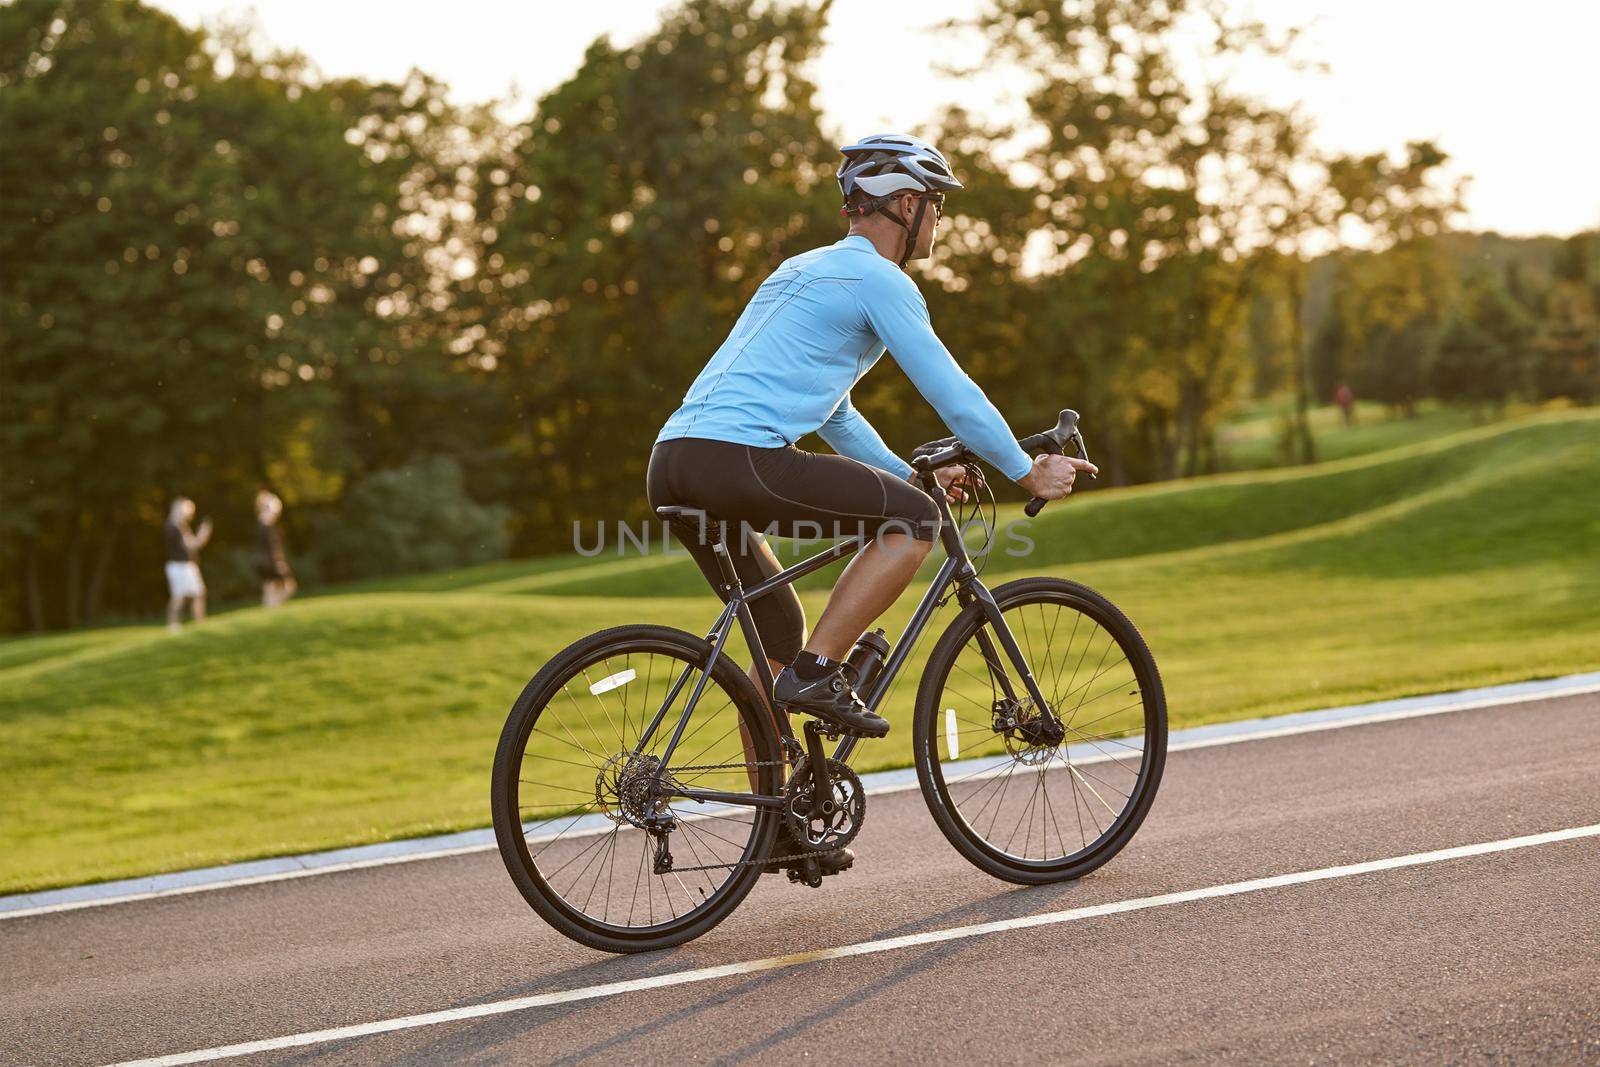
pixel 1052 447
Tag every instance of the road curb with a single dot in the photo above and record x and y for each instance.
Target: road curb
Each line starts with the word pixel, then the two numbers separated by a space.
pixel 413 849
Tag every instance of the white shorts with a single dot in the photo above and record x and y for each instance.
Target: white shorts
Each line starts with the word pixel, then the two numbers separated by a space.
pixel 183 580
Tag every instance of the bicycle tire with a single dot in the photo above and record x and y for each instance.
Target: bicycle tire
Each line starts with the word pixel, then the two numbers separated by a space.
pixel 968 839
pixel 511 833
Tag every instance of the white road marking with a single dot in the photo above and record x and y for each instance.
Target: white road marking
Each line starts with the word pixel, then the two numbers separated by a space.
pixel 315 863
pixel 864 948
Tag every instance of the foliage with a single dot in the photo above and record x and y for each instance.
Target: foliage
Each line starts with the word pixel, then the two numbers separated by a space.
pixel 629 222
pixel 415 517
pixel 1566 351
pixel 1165 201
pixel 1397 361
pixel 1150 192
pixel 176 320
pixel 1478 360
pixel 1331 361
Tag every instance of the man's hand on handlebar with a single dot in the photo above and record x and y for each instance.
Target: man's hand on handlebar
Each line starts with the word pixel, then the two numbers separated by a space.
pixel 952 478
pixel 1052 476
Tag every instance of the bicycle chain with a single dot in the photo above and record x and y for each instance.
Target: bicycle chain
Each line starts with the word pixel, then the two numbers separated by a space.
pixel 742 863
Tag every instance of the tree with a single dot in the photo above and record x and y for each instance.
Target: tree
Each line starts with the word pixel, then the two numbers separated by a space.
pixel 1397 363
pixel 1158 195
pixel 176 320
pixel 658 187
pixel 1267 333
pixel 1565 358
pixel 1332 355
pixel 1480 351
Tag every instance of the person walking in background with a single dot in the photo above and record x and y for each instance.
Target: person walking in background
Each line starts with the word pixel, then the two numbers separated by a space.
pixel 277 581
pixel 183 567
pixel 1347 403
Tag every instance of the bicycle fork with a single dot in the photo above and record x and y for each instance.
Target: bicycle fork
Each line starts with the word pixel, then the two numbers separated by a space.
pixel 1047 729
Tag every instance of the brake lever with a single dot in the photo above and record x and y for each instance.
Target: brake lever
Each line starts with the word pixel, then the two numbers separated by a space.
pixel 1083 452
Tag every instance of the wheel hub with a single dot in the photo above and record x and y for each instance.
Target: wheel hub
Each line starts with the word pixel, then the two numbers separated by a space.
pixel 1028 735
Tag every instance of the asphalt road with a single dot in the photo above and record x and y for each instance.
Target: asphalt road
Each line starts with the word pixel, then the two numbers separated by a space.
pixel 1492 957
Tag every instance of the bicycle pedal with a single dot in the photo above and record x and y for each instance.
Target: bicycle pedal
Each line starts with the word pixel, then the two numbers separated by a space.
pixel 808 872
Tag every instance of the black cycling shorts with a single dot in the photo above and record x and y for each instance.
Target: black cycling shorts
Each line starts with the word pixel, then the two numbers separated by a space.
pixel 787 492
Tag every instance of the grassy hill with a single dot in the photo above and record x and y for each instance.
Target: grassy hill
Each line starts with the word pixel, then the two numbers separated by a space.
pixel 1253 440
pixel 1466 559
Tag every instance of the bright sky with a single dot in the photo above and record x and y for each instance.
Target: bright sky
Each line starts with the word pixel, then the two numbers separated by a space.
pixel 1509 91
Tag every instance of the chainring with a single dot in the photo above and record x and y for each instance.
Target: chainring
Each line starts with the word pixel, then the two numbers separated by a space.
pixel 841 816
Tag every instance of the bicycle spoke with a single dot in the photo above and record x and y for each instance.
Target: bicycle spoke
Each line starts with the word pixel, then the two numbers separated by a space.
pixel 563 788
pixel 1079 770
pixel 622 696
pixel 570 769
pixel 608 850
pixel 1078 665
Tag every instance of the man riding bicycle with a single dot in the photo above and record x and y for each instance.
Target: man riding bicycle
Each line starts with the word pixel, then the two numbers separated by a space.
pixel 811 331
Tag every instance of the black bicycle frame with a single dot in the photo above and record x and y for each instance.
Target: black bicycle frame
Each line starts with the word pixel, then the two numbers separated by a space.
pixel 956 568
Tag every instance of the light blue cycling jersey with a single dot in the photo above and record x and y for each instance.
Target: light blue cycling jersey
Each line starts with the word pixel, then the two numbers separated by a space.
pixel 808 335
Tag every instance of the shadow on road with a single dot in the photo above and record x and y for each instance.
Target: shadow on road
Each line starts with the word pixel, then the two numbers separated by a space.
pixel 506 1034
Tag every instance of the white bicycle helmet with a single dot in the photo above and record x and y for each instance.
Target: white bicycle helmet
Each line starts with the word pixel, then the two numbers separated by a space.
pixel 887 163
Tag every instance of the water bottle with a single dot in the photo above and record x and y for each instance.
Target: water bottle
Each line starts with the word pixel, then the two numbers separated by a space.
pixel 866 660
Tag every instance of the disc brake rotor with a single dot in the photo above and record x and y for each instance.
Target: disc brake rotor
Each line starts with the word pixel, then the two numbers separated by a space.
pixel 1020 726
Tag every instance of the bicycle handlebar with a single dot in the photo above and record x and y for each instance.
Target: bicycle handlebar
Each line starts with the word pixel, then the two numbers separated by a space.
pixel 1054 441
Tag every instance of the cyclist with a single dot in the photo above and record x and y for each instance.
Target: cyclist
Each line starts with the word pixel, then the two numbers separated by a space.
pixel 808 335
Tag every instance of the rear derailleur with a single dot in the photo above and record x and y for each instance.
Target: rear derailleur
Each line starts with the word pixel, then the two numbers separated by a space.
pixel 660 830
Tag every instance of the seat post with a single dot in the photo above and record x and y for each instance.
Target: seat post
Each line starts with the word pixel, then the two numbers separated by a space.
pixel 730 577
pixel 704 528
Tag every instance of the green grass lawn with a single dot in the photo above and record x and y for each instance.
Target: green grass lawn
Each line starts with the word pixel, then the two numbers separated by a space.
pixel 1466 559
pixel 1252 442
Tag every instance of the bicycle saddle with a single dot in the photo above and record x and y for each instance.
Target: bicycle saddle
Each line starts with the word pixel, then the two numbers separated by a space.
pixel 693 524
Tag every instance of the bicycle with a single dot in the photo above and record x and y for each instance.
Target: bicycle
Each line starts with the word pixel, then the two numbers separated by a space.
pixel 571 800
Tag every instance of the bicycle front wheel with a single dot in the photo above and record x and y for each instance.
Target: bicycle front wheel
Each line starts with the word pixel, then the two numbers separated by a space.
pixel 1016 806
pixel 583 809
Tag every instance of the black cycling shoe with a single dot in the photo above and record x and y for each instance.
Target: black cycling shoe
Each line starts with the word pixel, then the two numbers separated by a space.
pixel 830 699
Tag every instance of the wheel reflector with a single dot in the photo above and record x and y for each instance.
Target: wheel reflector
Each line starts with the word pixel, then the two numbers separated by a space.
pixel 613 681
pixel 952 736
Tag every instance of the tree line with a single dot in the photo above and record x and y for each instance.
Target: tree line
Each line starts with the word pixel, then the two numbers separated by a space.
pixel 442 335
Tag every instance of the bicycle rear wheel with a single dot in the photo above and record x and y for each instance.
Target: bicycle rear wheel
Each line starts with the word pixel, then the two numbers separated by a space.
pixel 572 802
pixel 1018 808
